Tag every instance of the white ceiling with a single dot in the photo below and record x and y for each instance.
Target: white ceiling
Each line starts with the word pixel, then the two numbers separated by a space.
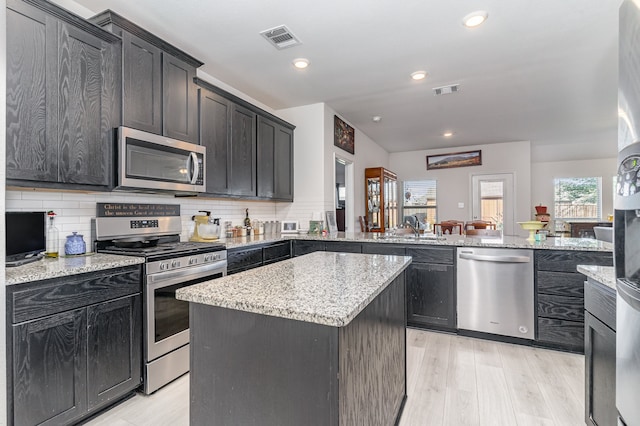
pixel 543 70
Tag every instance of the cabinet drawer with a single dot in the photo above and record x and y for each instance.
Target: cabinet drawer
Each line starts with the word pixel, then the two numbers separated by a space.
pixel 564 334
pixel 561 307
pixel 277 251
pixel 246 258
pixel 301 247
pixel 431 255
pixel 561 283
pixel 383 248
pixel 43 298
pixel 568 260
pixel 343 247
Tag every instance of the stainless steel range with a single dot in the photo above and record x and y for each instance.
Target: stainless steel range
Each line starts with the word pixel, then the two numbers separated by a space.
pixel 153 231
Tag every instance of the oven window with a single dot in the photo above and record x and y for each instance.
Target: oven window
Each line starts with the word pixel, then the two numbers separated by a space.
pixel 171 316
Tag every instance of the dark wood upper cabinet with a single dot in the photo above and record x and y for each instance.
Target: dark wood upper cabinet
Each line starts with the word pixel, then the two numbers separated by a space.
pixel 249 151
pixel 179 99
pixel 215 135
pixel 275 160
pixel 242 162
pixel 160 95
pixel 142 97
pixel 63 98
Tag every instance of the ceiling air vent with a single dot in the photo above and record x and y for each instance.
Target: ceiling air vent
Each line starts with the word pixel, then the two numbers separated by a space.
pixel 446 90
pixel 281 37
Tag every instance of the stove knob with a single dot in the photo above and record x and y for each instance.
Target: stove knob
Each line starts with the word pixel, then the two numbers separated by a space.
pixel 175 264
pixel 193 261
pixel 208 257
pixel 164 266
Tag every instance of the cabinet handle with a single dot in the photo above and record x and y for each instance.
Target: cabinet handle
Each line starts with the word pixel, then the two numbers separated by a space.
pixel 195 167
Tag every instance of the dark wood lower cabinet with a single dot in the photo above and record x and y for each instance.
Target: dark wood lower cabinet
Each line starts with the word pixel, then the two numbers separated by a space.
pixel 600 373
pixel 79 353
pixel 301 247
pixel 248 257
pixel 431 296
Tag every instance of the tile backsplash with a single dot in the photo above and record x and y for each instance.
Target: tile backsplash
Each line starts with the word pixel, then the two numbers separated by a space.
pixel 74 211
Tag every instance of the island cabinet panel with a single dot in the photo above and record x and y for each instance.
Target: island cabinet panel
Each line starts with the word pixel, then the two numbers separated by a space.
pixel 265 370
pixel 63 98
pixel 560 296
pixel 431 289
pixel 75 345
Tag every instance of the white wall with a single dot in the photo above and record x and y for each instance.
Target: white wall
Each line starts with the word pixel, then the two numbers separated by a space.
pixel 545 172
pixel 314 175
pixel 454 185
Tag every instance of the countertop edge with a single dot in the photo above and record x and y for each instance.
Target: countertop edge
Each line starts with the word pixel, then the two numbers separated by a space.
pixel 602 274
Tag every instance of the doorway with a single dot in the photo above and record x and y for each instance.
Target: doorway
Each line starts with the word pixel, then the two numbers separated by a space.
pixel 493 200
pixel 343 194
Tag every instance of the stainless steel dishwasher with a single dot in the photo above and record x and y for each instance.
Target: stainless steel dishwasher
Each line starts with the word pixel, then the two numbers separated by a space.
pixel 495 291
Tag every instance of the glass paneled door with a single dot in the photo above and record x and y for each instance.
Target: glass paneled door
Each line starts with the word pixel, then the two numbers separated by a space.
pixel 381 199
pixel 493 200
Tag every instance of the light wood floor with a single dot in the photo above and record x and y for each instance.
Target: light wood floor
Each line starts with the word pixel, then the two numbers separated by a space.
pixel 451 380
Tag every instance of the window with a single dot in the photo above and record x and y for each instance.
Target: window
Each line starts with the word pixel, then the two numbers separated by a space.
pixel 419 199
pixel 577 198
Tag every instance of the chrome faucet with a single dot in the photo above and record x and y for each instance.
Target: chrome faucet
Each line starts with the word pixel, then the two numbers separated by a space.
pixel 415 230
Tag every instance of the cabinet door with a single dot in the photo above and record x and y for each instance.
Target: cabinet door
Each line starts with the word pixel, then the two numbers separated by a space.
pixel 142 84
pixel 283 157
pixel 267 130
pixel 275 160
pixel 431 295
pixel 600 373
pixel 179 99
pixel 114 349
pixel 86 90
pixel 31 147
pixel 215 135
pixel 49 369
pixel 242 163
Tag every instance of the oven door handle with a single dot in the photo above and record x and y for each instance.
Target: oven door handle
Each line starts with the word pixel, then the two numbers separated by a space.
pixel 175 277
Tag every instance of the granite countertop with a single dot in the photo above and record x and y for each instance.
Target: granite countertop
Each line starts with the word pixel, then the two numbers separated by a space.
pixel 555 243
pixel 603 274
pixel 323 288
pixel 65 266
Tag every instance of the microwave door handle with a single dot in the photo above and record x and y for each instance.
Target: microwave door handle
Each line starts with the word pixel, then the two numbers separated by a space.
pixel 195 167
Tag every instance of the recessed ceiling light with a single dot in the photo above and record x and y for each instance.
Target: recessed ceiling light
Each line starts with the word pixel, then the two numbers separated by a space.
pixel 301 63
pixel 418 75
pixel 376 118
pixel 475 18
pixel 447 134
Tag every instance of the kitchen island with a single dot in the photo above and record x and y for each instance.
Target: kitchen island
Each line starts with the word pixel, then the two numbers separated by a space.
pixel 315 340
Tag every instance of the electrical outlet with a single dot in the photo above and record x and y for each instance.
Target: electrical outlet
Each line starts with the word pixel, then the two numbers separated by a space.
pixel 461 205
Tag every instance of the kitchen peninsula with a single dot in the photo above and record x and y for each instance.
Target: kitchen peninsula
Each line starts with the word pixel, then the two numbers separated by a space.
pixel 319 339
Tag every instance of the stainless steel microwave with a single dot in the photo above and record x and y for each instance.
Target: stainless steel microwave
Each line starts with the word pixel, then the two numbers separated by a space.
pixel 149 162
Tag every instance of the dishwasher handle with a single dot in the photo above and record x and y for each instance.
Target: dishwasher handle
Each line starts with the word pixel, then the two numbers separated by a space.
pixel 502 259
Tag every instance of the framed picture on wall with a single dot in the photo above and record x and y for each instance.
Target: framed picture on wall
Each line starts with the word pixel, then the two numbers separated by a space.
pixel 331 221
pixel 454 159
pixel 343 135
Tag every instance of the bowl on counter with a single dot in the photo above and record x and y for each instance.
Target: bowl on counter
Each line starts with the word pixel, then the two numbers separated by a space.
pixel 532 226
